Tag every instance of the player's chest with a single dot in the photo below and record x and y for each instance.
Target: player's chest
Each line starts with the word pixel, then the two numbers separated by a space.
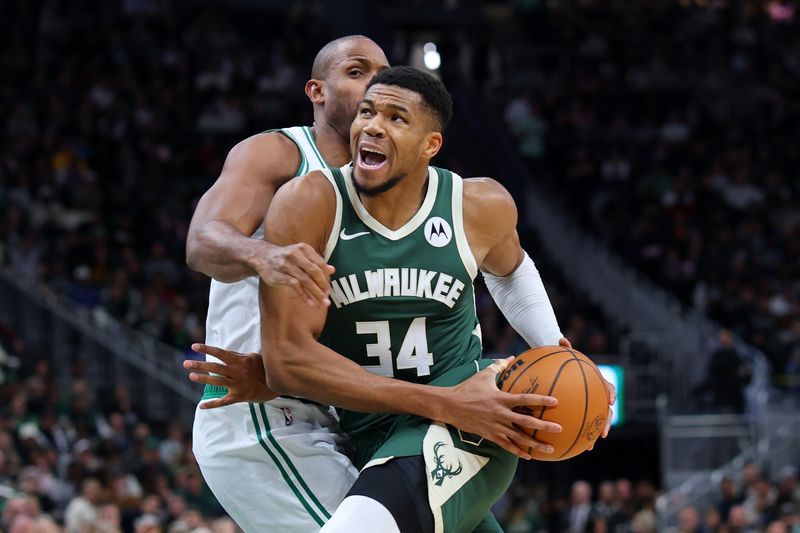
pixel 400 271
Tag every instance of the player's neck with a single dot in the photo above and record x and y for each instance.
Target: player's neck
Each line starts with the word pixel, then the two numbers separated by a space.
pixel 333 147
pixel 395 207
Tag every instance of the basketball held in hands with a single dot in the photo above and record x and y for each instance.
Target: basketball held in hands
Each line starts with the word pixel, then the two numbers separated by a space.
pixel 575 381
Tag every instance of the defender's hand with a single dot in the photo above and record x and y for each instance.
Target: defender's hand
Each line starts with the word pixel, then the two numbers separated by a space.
pixel 242 374
pixel 297 266
pixel 478 406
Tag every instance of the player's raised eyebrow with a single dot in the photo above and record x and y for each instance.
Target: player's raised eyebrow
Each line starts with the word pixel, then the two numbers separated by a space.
pixel 397 107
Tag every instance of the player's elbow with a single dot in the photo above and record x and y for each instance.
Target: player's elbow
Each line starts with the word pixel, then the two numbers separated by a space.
pixel 283 370
pixel 193 253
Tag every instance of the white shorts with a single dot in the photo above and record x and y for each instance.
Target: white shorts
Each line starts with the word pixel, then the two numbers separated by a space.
pixel 276 467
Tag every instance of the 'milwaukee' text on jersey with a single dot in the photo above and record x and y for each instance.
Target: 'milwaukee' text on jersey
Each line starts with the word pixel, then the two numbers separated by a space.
pixel 386 282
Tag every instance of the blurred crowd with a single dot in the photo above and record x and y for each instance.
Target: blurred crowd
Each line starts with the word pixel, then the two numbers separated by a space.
pixel 670 132
pixel 755 504
pixel 76 462
pixel 119 117
pixel 620 506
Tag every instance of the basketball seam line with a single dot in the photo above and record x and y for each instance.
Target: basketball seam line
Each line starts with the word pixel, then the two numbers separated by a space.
pixel 585 404
pixel 522 371
pixel 552 386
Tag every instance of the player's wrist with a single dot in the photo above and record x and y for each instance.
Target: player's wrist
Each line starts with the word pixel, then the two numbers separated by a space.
pixel 435 403
pixel 254 254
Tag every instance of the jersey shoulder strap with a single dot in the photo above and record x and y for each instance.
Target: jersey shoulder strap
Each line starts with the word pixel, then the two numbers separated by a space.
pixel 334 176
pixel 457 210
pixel 311 157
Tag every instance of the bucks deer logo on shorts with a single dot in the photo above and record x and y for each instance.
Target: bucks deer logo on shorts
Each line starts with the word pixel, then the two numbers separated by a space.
pixel 442 472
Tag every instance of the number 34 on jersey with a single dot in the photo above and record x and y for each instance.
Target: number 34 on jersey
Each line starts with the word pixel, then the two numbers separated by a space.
pixel 413 352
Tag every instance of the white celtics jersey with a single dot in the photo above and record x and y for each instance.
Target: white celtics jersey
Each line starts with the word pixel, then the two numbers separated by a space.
pixel 233 314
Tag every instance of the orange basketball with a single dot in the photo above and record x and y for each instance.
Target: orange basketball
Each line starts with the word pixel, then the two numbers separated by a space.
pixel 575 381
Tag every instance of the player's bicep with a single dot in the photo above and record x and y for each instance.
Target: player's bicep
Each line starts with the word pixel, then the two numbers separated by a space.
pixel 288 319
pixel 491 216
pixel 288 223
pixel 505 256
pixel 252 172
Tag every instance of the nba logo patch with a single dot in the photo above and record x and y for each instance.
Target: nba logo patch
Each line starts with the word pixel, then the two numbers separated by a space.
pixel 287 415
pixel 438 232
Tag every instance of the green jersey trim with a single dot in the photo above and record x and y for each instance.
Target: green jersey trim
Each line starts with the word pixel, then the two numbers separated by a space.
pixel 303 162
pixel 289 462
pixel 458 227
pixel 300 496
pixel 310 136
pixel 211 392
pixel 406 229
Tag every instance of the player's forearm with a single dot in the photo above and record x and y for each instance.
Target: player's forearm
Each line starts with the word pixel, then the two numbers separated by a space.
pixel 219 250
pixel 312 371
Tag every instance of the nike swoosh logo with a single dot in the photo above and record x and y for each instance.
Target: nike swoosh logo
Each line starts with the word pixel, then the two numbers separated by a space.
pixel 345 237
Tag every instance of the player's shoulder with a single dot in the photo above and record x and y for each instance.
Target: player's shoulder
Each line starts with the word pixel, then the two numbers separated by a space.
pixel 486 189
pixel 487 197
pixel 273 139
pixel 303 210
pixel 269 155
pixel 314 190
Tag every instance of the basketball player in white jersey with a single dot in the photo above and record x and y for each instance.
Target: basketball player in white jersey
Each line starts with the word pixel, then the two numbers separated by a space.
pixel 263 460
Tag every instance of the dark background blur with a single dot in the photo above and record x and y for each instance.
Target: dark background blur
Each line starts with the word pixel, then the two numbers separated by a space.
pixel 658 137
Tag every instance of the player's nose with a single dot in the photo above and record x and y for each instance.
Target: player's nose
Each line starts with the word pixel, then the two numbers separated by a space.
pixel 374 127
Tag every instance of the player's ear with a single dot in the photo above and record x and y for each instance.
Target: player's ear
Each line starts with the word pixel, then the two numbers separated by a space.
pixel 434 144
pixel 315 91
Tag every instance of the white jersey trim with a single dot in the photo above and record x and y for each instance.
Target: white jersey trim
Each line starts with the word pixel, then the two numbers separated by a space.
pixel 406 229
pixel 293 135
pixel 333 238
pixel 458 227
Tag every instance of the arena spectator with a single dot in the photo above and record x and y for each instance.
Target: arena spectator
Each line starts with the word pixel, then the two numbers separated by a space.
pixel 726 376
pixel 578 515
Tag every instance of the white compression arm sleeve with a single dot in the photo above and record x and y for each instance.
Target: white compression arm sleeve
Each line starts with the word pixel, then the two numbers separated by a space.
pixel 523 300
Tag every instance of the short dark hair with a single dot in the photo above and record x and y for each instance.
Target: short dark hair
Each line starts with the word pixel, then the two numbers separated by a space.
pixel 433 92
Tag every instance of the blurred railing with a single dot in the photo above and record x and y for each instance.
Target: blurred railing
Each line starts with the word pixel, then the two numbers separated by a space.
pixel 110 353
pixel 682 338
pixel 689 444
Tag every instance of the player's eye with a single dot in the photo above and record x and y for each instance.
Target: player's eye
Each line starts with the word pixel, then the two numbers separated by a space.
pixel 398 118
pixel 365 112
pixel 355 73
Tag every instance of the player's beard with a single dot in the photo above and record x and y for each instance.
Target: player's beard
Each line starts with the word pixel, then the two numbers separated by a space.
pixel 378 190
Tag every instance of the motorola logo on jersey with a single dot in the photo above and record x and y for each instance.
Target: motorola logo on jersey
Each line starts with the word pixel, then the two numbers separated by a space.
pixel 438 232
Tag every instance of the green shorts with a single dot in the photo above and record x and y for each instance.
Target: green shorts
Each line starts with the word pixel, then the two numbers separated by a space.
pixel 466 473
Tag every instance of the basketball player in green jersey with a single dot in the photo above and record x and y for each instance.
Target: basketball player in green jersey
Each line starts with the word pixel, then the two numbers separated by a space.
pixel 221 244
pixel 406 240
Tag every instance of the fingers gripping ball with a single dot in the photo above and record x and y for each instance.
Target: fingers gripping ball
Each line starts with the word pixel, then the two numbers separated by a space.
pixel 575 381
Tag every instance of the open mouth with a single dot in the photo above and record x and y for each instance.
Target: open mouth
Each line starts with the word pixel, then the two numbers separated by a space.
pixel 371 158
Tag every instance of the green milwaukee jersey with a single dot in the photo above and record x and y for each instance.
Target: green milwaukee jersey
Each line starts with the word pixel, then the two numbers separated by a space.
pixel 402 301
